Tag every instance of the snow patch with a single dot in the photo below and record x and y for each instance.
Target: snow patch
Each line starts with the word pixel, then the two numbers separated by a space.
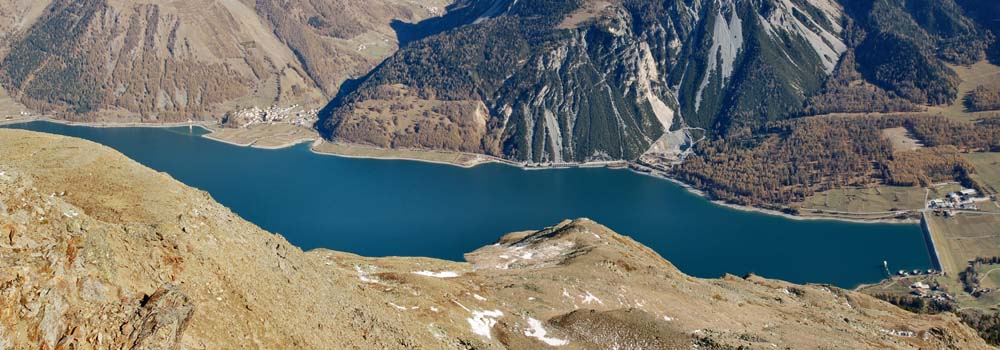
pixel 590 298
pixel 482 322
pixel 478 297
pixel 442 274
pixel 363 275
pixel 537 331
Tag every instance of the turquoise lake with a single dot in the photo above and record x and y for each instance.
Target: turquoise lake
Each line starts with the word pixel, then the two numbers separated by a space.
pixel 407 208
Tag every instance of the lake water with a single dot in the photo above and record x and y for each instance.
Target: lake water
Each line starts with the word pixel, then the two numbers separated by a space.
pixel 381 208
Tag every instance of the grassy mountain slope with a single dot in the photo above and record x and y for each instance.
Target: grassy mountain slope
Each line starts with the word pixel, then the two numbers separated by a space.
pixel 156 61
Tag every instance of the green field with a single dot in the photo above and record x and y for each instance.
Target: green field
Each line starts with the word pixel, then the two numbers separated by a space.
pixel 867 200
pixel 990 276
pixel 957 240
pixel 987 169
pixel 963 238
pixel 981 73
pixel 878 199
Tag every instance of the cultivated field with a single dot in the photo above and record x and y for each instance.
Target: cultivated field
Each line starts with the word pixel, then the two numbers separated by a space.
pixel 964 237
pixel 990 277
pixel 265 136
pixel 879 199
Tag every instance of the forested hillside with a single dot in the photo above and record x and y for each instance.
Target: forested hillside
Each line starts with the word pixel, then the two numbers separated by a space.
pixel 585 80
pixel 169 61
pixel 566 80
pixel 786 161
pixel 906 43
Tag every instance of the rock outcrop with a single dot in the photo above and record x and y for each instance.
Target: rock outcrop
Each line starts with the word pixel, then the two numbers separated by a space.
pixel 100 252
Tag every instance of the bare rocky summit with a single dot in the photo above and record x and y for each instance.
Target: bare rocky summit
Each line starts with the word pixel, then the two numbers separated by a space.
pixel 99 251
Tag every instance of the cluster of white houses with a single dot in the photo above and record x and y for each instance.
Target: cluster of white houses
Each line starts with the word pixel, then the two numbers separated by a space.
pixel 924 290
pixel 294 114
pixel 961 200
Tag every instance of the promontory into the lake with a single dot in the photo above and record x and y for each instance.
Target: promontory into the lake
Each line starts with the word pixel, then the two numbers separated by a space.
pixel 100 252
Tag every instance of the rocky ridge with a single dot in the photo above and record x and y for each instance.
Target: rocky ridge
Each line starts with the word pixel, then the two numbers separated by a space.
pixel 101 252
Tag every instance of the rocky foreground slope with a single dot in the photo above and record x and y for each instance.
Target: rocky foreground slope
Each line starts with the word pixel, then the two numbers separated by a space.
pixel 101 252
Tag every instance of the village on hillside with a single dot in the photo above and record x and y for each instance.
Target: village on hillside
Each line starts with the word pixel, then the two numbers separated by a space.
pixel 252 116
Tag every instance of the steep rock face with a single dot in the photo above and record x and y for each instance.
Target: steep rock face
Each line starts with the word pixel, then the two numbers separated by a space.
pixel 754 61
pixel 170 61
pixel 594 80
pixel 101 252
pixel 587 80
pixel 553 91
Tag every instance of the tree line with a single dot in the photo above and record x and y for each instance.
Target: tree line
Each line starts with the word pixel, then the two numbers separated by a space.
pixel 983 98
pixel 787 161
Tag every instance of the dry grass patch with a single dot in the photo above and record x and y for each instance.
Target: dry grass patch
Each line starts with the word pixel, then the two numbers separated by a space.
pixel 987 169
pixel 901 139
pixel 361 151
pixel 980 73
pixel 266 136
pixel 964 237
pixel 867 200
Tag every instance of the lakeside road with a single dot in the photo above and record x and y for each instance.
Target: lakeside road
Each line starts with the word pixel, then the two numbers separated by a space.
pixel 201 124
pixel 458 159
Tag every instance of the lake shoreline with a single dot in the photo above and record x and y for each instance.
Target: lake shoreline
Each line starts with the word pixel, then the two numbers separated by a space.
pixel 253 144
pixel 476 160
pixel 200 124
pixel 664 216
